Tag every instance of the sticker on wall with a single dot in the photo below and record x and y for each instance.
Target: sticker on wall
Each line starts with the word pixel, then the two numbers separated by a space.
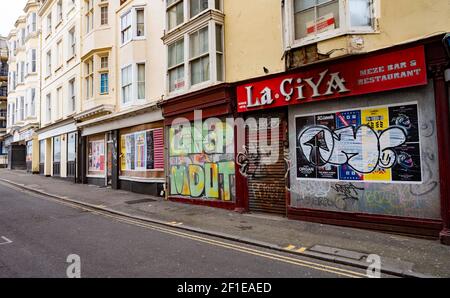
pixel 375 145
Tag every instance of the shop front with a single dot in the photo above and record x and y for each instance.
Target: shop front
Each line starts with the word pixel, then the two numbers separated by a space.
pixel 367 139
pixel 56 149
pixel 124 151
pixel 200 149
pixel 20 150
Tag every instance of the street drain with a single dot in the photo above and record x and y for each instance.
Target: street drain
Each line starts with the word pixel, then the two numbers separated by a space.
pixel 135 202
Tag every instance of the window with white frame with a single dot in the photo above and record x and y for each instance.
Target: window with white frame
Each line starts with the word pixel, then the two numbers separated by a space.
pixel 104 14
pixel 48 108
pixel 21 110
pixel 31 23
pixel 141 81
pixel 59 11
pixel 59 54
pixel 104 74
pixel 49 63
pixel 179 11
pixel 125 27
pixel 22 72
pixel 31 64
pixel 89 15
pixel 89 78
pixel 197 6
pixel 199 56
pixel 126 84
pixel 49 24
pixel 204 63
pixel 312 20
pixel 72 43
pixel 219 52
pixel 58 102
pixel 72 98
pixel 175 13
pixel 32 102
pixel 132 25
pixel 140 22
pixel 176 65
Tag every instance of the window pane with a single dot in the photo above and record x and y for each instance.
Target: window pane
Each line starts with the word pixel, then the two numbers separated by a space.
pixel 219 67
pixel 141 81
pixel 175 15
pixel 199 43
pixel 219 43
pixel 140 26
pixel 176 78
pixel 360 12
pixel 200 70
pixel 198 6
pixel 176 53
pixel 315 16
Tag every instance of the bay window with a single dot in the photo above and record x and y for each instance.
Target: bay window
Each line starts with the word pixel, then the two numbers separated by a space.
pixel 310 21
pixel 204 61
pixel 132 25
pixel 180 11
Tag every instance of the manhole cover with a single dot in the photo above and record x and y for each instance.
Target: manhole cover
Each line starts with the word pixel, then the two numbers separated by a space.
pixel 135 202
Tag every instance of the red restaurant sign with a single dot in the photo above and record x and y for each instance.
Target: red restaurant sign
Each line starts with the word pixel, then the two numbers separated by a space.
pixel 400 69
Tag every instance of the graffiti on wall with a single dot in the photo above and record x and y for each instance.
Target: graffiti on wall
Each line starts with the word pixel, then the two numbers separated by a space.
pixel 202 161
pixel 380 144
pixel 332 168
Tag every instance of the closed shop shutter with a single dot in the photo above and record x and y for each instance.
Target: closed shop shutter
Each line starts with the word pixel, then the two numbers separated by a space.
pixel 266 182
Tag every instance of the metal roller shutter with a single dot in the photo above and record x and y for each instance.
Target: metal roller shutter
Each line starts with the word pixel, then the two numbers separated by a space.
pixel 266 183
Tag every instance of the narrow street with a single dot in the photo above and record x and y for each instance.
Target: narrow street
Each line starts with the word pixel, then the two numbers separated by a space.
pixel 37 235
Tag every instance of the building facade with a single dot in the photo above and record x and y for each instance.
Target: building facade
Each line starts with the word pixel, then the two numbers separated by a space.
pixel 3 99
pixel 24 90
pixel 120 123
pixel 363 112
pixel 60 87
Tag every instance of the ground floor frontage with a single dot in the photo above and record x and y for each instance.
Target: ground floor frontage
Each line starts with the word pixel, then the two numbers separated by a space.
pixel 124 151
pixel 366 141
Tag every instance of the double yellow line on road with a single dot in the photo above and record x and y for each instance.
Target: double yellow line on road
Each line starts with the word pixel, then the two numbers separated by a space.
pixel 210 241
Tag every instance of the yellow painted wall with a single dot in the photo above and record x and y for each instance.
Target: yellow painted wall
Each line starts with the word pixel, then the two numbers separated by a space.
pixel 253 38
pixel 35 155
pixel 400 21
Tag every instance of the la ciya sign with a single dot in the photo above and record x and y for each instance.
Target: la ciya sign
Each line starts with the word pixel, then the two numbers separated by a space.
pixel 360 75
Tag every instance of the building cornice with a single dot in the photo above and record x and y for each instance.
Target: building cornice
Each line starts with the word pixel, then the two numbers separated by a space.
pixel 45 7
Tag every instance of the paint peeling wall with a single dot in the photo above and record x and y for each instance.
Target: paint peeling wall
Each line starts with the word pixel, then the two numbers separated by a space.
pixel 418 198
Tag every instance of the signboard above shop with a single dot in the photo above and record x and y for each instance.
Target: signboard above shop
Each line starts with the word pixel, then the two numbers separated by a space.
pixel 361 75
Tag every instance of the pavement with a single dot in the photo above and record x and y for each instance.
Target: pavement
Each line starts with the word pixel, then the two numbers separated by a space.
pixel 400 255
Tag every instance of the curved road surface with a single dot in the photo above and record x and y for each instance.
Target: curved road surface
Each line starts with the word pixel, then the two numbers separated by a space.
pixel 37 234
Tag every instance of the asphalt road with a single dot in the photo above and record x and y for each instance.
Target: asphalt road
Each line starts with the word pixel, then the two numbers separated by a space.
pixel 37 234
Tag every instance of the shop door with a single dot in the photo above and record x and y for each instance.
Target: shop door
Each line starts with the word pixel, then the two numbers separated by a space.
pixel 266 181
pixel 71 155
pixel 109 153
pixel 41 157
pixel 57 156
